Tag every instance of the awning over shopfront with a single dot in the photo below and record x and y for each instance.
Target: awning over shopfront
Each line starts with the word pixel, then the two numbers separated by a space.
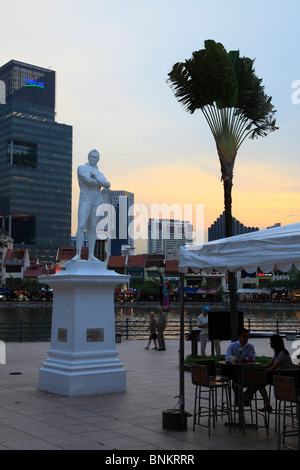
pixel 188 290
pixel 198 290
pixel 254 291
pixel 208 291
pixel 129 291
pixel 279 291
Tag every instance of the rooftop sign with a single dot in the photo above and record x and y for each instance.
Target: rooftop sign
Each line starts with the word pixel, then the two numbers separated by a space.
pixel 31 82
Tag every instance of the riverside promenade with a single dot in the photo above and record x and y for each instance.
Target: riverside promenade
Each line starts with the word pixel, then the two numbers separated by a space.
pixel 31 419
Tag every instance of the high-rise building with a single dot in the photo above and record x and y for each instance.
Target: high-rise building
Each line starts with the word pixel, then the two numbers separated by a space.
pixel 217 229
pixel 120 201
pixel 165 235
pixel 35 162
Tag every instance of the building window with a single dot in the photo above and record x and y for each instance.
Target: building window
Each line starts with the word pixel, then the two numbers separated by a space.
pixel 13 269
pixel 136 274
pixel 23 229
pixel 22 154
pixel 153 274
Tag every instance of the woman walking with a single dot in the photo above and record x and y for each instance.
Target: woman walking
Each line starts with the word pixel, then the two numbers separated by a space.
pixel 153 331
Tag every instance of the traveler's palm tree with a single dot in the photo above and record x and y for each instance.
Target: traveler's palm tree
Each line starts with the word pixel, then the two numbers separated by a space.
pixel 224 87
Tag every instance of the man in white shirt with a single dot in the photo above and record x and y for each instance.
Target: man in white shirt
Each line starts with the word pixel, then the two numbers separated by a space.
pixel 90 180
pixel 202 322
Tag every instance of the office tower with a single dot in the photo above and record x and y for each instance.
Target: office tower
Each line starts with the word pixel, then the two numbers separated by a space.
pixel 35 162
pixel 165 235
pixel 217 229
pixel 120 201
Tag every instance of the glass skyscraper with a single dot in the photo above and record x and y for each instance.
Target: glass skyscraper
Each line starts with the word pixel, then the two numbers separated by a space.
pixel 35 162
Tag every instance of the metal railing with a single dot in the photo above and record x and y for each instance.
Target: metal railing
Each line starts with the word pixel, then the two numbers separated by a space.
pixel 25 331
pixel 137 329
pixel 265 327
pixel 134 329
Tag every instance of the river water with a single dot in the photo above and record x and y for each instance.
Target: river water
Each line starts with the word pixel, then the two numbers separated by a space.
pixel 136 313
pixel 13 312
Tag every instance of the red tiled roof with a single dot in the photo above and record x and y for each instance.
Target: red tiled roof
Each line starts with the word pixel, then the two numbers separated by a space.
pixel 35 270
pixel 138 261
pixel 171 265
pixel 66 253
pixel 15 254
pixel 117 261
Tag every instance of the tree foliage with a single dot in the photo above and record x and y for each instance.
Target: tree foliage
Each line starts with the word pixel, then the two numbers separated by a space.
pixel 24 284
pixel 225 88
pixel 146 287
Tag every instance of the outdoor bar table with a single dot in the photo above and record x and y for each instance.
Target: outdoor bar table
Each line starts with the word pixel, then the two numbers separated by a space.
pixel 233 372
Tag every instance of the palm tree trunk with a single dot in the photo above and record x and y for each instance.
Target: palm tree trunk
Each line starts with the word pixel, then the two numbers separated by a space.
pixel 227 177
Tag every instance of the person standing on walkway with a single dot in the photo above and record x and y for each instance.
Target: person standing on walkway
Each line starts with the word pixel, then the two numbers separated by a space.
pixel 202 322
pixel 161 326
pixel 153 331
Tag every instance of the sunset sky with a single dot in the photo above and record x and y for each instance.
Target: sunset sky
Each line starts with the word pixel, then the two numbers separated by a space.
pixel 112 58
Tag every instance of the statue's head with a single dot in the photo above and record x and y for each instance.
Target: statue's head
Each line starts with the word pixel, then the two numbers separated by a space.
pixel 94 157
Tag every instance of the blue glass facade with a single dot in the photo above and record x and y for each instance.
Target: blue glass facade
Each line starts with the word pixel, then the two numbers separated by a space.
pixel 35 162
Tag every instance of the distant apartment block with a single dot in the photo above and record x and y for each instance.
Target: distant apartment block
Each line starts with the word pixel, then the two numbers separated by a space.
pixel 167 235
pixel 121 201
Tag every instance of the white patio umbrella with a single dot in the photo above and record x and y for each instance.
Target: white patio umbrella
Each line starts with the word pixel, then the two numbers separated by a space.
pixel 264 249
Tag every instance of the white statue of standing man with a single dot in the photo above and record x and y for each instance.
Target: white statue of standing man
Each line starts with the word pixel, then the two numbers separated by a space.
pixel 90 180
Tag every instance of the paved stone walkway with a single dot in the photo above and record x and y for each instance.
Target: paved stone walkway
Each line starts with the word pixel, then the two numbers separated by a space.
pixel 32 419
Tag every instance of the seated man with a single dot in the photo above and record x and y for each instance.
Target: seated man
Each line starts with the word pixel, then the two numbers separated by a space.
pixel 241 350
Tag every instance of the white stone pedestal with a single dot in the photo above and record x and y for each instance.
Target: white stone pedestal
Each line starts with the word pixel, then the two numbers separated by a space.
pixel 82 359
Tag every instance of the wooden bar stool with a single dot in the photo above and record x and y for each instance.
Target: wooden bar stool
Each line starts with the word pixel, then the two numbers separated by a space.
pixel 288 409
pixel 205 403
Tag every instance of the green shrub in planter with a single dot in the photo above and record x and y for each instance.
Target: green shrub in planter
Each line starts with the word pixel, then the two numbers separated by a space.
pixel 192 359
pixel 189 360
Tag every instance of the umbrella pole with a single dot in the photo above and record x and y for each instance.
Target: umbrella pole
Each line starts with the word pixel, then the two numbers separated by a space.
pixel 233 304
pixel 181 355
